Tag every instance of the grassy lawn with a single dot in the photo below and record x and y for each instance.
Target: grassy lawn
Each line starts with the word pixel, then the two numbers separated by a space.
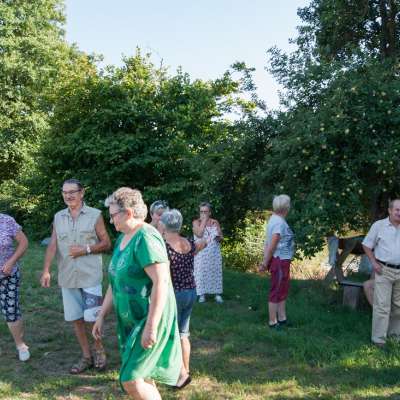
pixel 325 354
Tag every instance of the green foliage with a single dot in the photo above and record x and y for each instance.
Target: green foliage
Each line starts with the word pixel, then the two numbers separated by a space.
pixel 342 29
pixel 339 159
pixel 233 161
pixel 133 126
pixel 243 251
pixel 31 49
pixel 334 149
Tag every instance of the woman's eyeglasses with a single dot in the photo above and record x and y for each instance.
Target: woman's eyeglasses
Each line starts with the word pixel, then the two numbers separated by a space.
pixel 113 215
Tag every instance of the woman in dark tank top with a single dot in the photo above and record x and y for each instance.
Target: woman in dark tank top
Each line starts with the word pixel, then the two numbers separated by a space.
pixel 181 253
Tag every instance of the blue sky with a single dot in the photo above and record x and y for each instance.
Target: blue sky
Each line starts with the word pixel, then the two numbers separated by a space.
pixel 204 37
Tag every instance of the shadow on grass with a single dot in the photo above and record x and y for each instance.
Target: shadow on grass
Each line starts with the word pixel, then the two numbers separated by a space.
pixel 327 346
pixel 324 354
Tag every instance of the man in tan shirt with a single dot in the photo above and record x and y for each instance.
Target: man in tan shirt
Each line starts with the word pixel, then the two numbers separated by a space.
pixel 79 237
pixel 382 246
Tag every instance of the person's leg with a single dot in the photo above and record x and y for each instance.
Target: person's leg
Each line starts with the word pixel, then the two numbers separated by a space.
pixel 283 290
pixel 381 306
pixel 139 389
pixel 185 343
pixel 274 292
pixel 17 331
pixel 81 335
pixel 73 312
pixel 369 290
pixel 394 321
pixel 9 289
pixel 272 313
pixel 92 300
pixel 185 300
pixel 281 309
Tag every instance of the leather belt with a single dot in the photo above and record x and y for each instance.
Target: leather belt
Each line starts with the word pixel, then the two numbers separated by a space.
pixel 389 265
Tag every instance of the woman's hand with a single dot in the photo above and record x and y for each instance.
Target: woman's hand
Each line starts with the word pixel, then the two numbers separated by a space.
pixel 98 328
pixel 149 337
pixel 262 268
pixel 7 268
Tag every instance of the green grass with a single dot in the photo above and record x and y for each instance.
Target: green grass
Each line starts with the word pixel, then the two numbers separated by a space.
pixel 326 354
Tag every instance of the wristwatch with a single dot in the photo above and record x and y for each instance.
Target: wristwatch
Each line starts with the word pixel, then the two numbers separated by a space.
pixel 88 250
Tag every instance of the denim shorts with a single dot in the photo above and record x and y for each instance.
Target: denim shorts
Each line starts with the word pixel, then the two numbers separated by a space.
pixel 185 300
pixel 82 303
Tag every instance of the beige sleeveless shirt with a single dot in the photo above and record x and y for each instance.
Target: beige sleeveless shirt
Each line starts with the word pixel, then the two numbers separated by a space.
pixel 84 271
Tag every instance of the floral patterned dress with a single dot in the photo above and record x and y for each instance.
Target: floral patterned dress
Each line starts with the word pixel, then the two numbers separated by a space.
pixel 208 264
pixel 9 285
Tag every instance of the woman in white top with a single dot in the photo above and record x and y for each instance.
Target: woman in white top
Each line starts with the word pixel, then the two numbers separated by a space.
pixel 278 253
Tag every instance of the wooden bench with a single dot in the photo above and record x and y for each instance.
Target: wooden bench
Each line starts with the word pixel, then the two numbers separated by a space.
pixel 352 292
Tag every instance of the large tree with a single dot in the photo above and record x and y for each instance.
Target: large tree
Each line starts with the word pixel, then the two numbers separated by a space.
pixel 135 125
pixel 32 51
pixel 336 143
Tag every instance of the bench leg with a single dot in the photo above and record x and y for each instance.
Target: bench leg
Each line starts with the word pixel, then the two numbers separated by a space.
pixel 351 296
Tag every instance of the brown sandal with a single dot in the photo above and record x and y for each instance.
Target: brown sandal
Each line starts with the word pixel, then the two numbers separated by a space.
pixel 100 359
pixel 82 365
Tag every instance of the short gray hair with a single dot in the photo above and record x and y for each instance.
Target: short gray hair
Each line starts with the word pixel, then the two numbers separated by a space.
pixel 126 197
pixel 158 205
pixel 205 204
pixel 391 202
pixel 281 203
pixel 172 220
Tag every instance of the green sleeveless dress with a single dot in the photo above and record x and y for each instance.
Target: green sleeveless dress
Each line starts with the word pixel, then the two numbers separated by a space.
pixel 131 288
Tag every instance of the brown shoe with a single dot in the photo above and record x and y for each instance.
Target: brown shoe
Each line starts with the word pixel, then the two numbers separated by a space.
pixel 81 365
pixel 100 359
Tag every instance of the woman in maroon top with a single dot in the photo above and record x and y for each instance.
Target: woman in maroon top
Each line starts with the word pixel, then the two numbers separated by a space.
pixel 181 253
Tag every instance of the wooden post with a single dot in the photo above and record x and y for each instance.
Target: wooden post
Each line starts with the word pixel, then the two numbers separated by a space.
pixel 351 296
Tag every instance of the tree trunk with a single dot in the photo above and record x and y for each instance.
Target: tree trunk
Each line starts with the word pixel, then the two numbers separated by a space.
pixel 388 12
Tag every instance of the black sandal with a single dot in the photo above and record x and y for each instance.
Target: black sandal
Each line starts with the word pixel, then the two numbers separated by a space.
pixel 184 384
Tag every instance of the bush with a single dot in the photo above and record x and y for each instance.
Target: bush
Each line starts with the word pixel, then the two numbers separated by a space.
pixel 244 250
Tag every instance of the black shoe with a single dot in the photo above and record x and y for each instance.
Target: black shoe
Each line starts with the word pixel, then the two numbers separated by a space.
pixel 273 326
pixel 285 323
pixel 185 383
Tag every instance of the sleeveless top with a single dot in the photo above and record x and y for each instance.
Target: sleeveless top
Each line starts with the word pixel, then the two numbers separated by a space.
pixel 182 266
pixel 80 272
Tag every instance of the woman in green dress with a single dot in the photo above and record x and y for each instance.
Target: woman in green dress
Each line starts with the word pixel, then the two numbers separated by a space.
pixel 143 298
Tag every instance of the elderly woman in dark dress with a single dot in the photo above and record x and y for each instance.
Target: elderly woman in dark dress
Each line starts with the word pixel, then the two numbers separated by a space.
pixel 181 252
pixel 10 280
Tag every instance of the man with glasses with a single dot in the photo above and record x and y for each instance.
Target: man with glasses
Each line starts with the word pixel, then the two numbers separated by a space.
pixel 79 237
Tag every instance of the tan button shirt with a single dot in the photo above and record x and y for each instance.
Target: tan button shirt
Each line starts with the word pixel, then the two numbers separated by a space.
pixel 384 239
pixel 85 271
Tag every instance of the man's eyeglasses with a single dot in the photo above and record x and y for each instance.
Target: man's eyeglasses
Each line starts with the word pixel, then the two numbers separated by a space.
pixel 71 192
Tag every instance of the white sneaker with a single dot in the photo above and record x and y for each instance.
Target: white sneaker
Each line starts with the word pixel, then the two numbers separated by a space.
pixel 202 299
pixel 218 299
pixel 23 353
